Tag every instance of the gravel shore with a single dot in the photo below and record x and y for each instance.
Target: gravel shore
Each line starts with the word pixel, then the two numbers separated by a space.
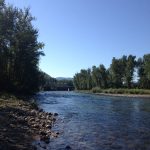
pixel 21 123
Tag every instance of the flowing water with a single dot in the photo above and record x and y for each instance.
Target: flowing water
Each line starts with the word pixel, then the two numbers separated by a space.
pixel 90 122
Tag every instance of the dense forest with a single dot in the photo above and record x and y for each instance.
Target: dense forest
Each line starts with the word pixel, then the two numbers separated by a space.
pixel 20 50
pixel 20 53
pixel 120 74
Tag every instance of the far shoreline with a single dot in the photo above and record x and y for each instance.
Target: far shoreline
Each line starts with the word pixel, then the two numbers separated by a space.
pixel 116 95
pixel 124 95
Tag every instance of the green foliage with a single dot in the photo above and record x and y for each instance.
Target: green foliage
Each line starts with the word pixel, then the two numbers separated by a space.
pixel 120 91
pixel 83 80
pixel 99 76
pixel 147 66
pixel 34 105
pixel 63 85
pixel 96 90
pixel 117 72
pixel 46 82
pixel 129 70
pixel 19 50
pixel 117 78
pixel 143 65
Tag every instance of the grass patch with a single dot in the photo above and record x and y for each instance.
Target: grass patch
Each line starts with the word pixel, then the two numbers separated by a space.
pixel 96 90
pixel 9 100
pixel 121 91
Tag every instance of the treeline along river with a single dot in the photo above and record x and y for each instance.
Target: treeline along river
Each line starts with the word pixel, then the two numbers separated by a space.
pixel 91 122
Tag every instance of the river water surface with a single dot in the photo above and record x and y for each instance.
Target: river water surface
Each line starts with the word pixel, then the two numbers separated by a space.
pixel 90 122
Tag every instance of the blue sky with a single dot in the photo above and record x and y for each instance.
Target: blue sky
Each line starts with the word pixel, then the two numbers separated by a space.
pixel 81 33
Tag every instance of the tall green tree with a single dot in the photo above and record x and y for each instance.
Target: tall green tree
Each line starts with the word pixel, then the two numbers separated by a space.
pixel 19 50
pixel 46 82
pixel 102 76
pixel 147 65
pixel 143 65
pixel 83 80
pixel 89 79
pixel 116 73
pixel 76 81
pixel 129 70
pixel 119 75
pixel 95 79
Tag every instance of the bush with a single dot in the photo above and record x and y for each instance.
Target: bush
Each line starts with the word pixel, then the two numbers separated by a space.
pixel 96 90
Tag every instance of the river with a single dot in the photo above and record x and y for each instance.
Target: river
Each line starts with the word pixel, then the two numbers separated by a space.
pixel 91 122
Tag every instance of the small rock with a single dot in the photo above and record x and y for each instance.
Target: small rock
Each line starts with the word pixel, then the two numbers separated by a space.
pixel 40 110
pixel 45 138
pixel 25 118
pixel 49 122
pixel 12 125
pixel 43 124
pixel 43 117
pixel 37 120
pixel 47 117
pixel 50 114
pixel 55 114
pixel 11 141
pixel 54 135
pixel 4 130
pixel 48 132
pixel 44 147
pixel 40 113
pixel 48 126
pixel 116 146
pixel 31 119
pixel 54 119
pixel 42 133
pixel 35 125
pixel 67 147
pixel 34 148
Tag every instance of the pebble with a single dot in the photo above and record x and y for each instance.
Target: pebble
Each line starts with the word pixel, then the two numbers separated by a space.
pixel 48 126
pixel 55 114
pixel 45 138
pixel 36 122
pixel 50 114
pixel 4 130
pixel 68 147
pixel 40 110
pixel 114 146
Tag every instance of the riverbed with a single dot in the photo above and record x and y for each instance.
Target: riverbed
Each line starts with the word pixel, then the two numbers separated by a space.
pixel 92 122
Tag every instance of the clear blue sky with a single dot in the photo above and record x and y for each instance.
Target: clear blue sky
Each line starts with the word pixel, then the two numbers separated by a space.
pixel 81 33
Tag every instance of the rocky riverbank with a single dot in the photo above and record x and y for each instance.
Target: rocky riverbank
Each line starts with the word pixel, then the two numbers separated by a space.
pixel 21 123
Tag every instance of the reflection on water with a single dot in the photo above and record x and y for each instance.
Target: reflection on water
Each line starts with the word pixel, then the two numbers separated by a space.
pixel 98 122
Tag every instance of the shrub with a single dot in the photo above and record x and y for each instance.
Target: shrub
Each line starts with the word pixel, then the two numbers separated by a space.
pixel 96 90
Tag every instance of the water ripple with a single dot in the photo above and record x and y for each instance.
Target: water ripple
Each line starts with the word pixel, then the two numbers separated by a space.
pixel 89 122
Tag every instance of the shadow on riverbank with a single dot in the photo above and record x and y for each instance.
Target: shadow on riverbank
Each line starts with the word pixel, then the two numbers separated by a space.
pixel 20 123
pixel 14 130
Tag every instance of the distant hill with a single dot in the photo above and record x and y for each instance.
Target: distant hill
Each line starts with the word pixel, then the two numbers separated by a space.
pixel 63 78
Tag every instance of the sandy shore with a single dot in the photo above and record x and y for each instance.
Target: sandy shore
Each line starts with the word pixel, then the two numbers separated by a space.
pixel 21 124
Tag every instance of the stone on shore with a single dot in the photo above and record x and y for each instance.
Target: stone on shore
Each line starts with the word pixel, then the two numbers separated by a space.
pixel 20 123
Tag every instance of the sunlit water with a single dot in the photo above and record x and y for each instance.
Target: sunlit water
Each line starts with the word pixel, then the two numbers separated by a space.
pixel 90 122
